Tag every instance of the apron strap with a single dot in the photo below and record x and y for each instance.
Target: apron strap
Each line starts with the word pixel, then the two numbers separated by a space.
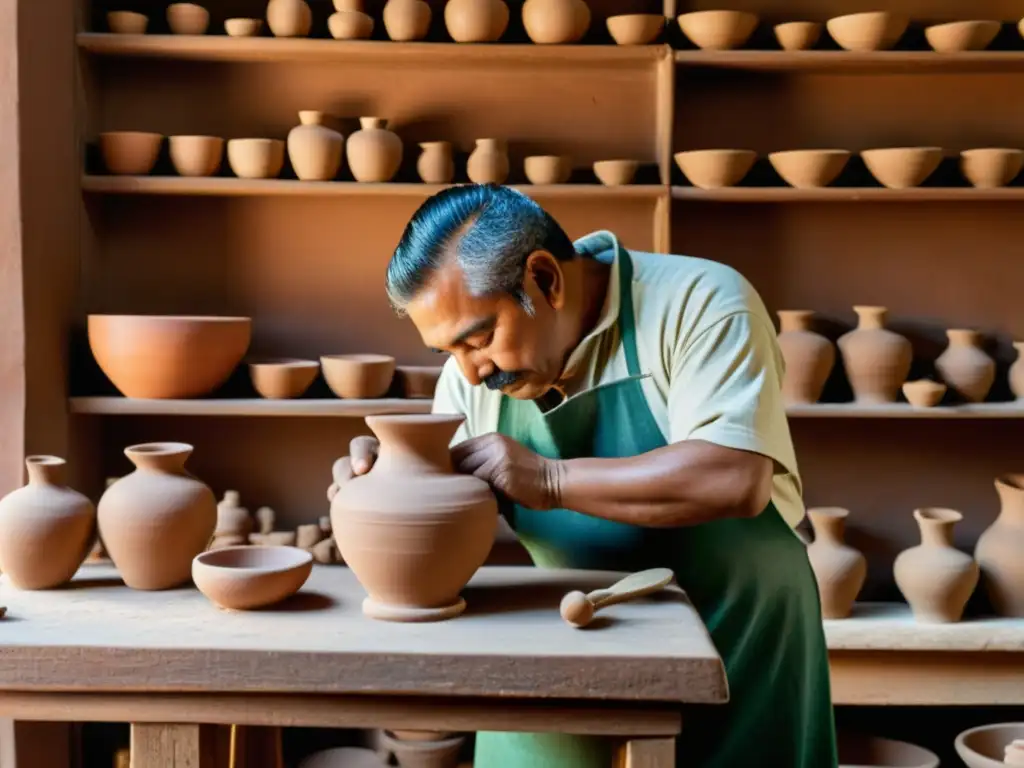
pixel 627 320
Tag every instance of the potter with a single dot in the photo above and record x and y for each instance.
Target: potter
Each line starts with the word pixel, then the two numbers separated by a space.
pixel 629 407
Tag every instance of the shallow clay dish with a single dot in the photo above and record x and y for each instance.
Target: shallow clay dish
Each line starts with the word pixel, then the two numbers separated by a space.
pixel 423 752
pixel 869 31
pixel 924 393
pixel 256 158
pixel 991 166
pixel 718 30
pixel 246 577
pixel 798 35
pixel 635 28
pixel 187 19
pixel 857 751
pixel 902 167
pixel 715 168
pixel 283 379
pixel 196 155
pixel 616 173
pixel 130 153
pixel 962 35
pixel 344 757
pixel 807 168
pixel 358 376
pixel 985 746
pixel 548 169
pixel 417 381
pixel 127 22
pixel 243 27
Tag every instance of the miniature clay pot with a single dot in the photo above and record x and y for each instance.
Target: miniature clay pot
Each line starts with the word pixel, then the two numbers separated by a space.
pixel 417 381
pixel 196 155
pixel 715 168
pixel 256 158
pixel 718 30
pixel 869 31
pixel 374 152
pixel 407 20
pixel 809 168
pixel 962 35
pixel 616 173
pixel 1000 550
pixel 965 367
pixel 809 357
pixel 165 356
pixel 435 164
pixel 156 519
pixel 315 150
pixel 924 393
pixel 358 376
pixel 991 167
pixel 476 21
pixel 999 745
pixel 635 28
pixel 127 22
pixel 243 27
pixel 232 518
pixel 350 25
pixel 902 167
pixel 1016 373
pixel 552 22
pixel 46 528
pixel 548 169
pixel 283 379
pixel 248 577
pixel 488 162
pixel 839 569
pixel 423 753
pixel 877 360
pixel 289 18
pixel 935 577
pixel 412 530
pixel 798 35
pixel 187 19
pixel 859 751
pixel 130 153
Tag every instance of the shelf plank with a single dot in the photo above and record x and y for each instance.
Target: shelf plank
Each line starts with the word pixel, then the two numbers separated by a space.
pixel 124 406
pixel 848 194
pixel 1009 410
pixel 888 62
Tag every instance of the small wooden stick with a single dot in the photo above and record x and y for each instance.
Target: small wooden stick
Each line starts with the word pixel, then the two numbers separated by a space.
pixel 578 609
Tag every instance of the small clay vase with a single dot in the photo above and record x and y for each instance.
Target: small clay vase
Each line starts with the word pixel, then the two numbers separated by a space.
pixel 46 528
pixel 314 149
pixel 553 22
pixel 156 519
pixel 187 19
pixel 289 18
pixel 877 360
pixel 935 577
pixel 488 163
pixel 196 155
pixel 435 164
pixel 374 152
pixel 809 357
pixel 350 25
pixel 1000 550
pixel 407 20
pixel 476 21
pixel 840 569
pixel 965 367
pixel 1016 373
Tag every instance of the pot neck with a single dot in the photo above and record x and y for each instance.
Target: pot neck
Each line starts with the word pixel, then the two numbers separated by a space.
pixel 1011 498
pixel 312 117
pixel 961 337
pixel 160 457
pixel 937 526
pixel 829 524
pixel 373 123
pixel 414 445
pixel 45 470
pixel 791 320
pixel 490 144
pixel 870 318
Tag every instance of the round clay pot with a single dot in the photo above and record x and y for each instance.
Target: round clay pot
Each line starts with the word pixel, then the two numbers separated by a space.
pixel 289 18
pixel 243 27
pixel 809 168
pixel 715 168
pixel 283 379
pixel 156 519
pixel 256 158
pixel 718 30
pixel 616 173
pixel 196 155
pixel 488 162
pixel 361 377
pixel 635 28
pixel 924 393
pixel 168 357
pixel 435 164
pixel 857 751
pixel 548 169
pixel 935 577
pixel 424 753
pixel 553 22
pixel 1016 374
pixel 902 167
pixel 1000 745
pixel 991 166
pixel 412 530
pixel 344 757
pixel 127 22
pixel 962 35
pixel 232 518
pixel 809 357
pixel 417 381
pixel 877 360
pixel 374 152
pixel 46 528
pixel 130 153
pixel 1000 550
pixel 187 19
pixel 350 25
pixel 869 31
pixel 248 577
pixel 314 149
pixel 839 569
pixel 476 21
pixel 798 35
pixel 965 367
pixel 407 20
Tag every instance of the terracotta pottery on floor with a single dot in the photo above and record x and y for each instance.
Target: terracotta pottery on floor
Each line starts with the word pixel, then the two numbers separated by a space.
pixel 488 162
pixel 350 25
pixel 417 381
pixel 902 167
pixel 407 20
pixel 314 149
pixel 46 528
pixel 283 378
pixel 548 169
pixel 1016 373
pixel 798 35
pixel 989 746
pixel 924 393
pixel 877 360
pixel 809 357
pixel 476 21
pixel 635 28
pixel 243 27
pixel 187 19
pixel 809 168
pixel 839 569
pixel 256 158
pixel 965 367
pixel 962 35
pixel 374 152
pixel 412 530
pixel 127 22
pixel 234 523
pixel 344 757
pixel 718 30
pixel 289 18
pixel 991 167
pixel 1000 549
pixel 936 578
pixel 616 173
pixel 424 753
pixel 130 153
pixel 715 168
pixel 196 155
pixel 156 519
pixel 435 164
pixel 248 577
pixel 551 22
pixel 869 31
pixel 859 751
pixel 358 376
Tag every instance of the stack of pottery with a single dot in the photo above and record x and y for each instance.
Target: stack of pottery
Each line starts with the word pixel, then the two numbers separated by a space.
pixel 877 360
pixel 314 149
pixel 289 18
pixel 1000 550
pixel 407 20
pixel 839 569
pixel 374 152
pixel 808 356
pixel 488 162
pixel 965 367
pixel 350 21
pixel 233 522
pixel 552 22
pixel 476 21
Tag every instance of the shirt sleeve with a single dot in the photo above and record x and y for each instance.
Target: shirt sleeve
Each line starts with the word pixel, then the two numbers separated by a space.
pixel 450 396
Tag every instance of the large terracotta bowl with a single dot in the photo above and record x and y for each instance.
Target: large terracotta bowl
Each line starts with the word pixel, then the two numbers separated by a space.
pixel 962 35
pixel 902 167
pixel 989 167
pixel 857 751
pixel 246 577
pixel 718 30
pixel 166 356
pixel 715 168
pixel 869 31
pixel 807 168
pixel 985 746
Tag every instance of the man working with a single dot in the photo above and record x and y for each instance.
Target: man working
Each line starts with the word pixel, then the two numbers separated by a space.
pixel 628 407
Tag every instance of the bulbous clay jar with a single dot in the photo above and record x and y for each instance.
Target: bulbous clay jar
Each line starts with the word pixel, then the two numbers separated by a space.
pixel 46 528
pixel 314 149
pixel 435 164
pixel 407 20
pixel 488 163
pixel 412 530
pixel 877 360
pixel 550 22
pixel 839 569
pixel 1017 371
pixel 156 519
pixel 289 18
pixel 809 357
pixel 476 21
pixel 1000 550
pixel 374 153
pixel 965 367
pixel 935 577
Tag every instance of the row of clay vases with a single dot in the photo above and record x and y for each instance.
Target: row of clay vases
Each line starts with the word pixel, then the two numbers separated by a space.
pixel 316 150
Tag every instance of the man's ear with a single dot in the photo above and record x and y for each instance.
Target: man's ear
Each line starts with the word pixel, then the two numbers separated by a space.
pixel 546 273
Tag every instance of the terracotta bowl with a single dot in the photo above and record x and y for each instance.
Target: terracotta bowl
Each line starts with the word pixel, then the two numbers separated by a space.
pixel 187 19
pixel 407 735
pixel 924 393
pixel 715 168
pixel 344 757
pixel 548 169
pixel 130 153
pixel 985 746
pixel 808 168
pixel 350 25
pixel 616 173
pixel 243 27
pixel 167 357
pixel 443 751
pixel 798 35
pixel 962 35
pixel 283 379
pixel 246 577
pixel 358 376
pixel 870 31
pixel 635 28
pixel 718 30
pixel 902 167
pixel 991 166
pixel 256 158
pixel 196 155
pixel 127 22
pixel 874 752
pixel 417 381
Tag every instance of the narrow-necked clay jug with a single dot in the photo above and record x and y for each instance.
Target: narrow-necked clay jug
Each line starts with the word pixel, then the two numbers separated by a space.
pixel 46 528
pixel 314 149
pixel 839 569
pixel 1016 373
pixel 412 530
pixel 407 20
pixel 877 360
pixel 809 357
pixel 435 164
pixel 935 577
pixel 965 367
pixel 156 519
pixel 289 18
pixel 488 163
pixel 476 21
pixel 1000 550
pixel 374 152
pixel 550 22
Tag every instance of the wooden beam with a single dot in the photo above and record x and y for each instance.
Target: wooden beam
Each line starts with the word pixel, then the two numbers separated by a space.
pixel 162 745
pixel 35 744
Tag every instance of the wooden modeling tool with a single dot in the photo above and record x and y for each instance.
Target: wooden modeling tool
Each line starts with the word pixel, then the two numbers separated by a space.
pixel 578 608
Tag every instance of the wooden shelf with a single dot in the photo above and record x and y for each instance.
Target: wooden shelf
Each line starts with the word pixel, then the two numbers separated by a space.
pixel 123 406
pixel 888 62
pixel 1009 410
pixel 848 194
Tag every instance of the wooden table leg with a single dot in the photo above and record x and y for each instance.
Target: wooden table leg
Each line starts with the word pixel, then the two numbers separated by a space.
pixel 646 753
pixel 26 744
pixel 158 745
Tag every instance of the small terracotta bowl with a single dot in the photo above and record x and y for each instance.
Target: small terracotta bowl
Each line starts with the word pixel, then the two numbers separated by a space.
pixel 187 19
pixel 358 376
pixel 127 22
pixel 718 30
pixel 798 35
pixel 283 379
pixel 869 31
pixel 986 745
pixel 715 168
pixel 809 168
pixel 417 381
pixel 350 25
pixel 548 169
pixel 635 28
pixel 991 166
pixel 246 577
pixel 196 155
pixel 902 167
pixel 962 35
pixel 616 173
pixel 243 27
pixel 924 393
pixel 130 153
pixel 256 158
pixel 423 751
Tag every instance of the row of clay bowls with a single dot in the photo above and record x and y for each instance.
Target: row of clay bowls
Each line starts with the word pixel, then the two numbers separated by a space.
pixel 893 167
pixel 359 376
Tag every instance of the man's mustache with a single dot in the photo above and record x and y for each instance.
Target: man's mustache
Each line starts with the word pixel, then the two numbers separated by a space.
pixel 500 379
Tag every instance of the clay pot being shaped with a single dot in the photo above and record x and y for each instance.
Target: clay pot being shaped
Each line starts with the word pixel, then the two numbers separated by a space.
pixel 374 152
pixel 155 520
pixel 965 367
pixel 423 753
pixel 130 153
pixel 877 360
pixel 635 28
pixel 243 27
pixel 1016 374
pixel 476 21
pixel 962 35
pixel 289 18
pixel 488 162
pixel 809 357
pixel 991 167
pixel 435 164
pixel 46 528
pixel 1000 550
pixel 350 25
pixel 417 381
pixel 127 22
pixel 407 20
pixel 999 745
pixel 869 31
pixel 196 155
pixel 902 167
pixel 616 173
pixel 809 168
pixel 718 30
pixel 256 158
pixel 798 35
pixel 234 523
pixel 412 530
pixel 314 149
pixel 839 569
pixel 187 19
pixel 548 169
pixel 358 376
pixel 247 577
pixel 715 168
pixel 552 22
pixel 924 393
pixel 283 379
pixel 861 751
pixel 935 577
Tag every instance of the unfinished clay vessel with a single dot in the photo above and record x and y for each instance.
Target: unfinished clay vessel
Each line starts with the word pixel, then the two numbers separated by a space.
pixel 314 149
pixel 234 524
pixel 435 164
pixel 715 168
pixel 196 155
pixel 935 577
pixel 187 19
pixel 965 367
pixel 718 30
pixel 839 568
pixel 130 153
pixel 902 167
pixel 243 578
pixel 1000 550
pixel 809 357
pixel 862 751
pixel 417 381
pixel 798 35
pixel 156 519
pixel 635 28
pixel 243 27
pixel 281 379
pixel 1016 373
pixel 413 531
pixel 488 163
pixel 407 20
pixel 809 168
pixel 924 393
pixel 256 158
pixel 423 752
pixel 551 22
pixel 358 376
pixel 46 528
pixel 289 18
pixel 991 746
pixel 877 360
pixel 962 35
pixel 548 169
pixel 616 173
pixel 991 167
pixel 869 31
pixel 374 152
pixel 127 22
pixel 476 21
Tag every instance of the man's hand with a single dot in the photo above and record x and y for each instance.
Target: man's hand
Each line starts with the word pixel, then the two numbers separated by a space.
pixel 511 469
pixel 362 453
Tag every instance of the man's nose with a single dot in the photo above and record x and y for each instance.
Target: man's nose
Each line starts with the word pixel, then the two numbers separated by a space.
pixel 475 367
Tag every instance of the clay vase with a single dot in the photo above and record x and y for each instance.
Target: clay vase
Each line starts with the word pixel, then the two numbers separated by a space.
pixel 488 163
pixel 476 21
pixel 809 357
pixel 935 577
pixel 374 153
pixel 156 519
pixel 1000 550
pixel 839 569
pixel 435 164
pixel 877 360
pixel 551 22
pixel 46 528
pixel 289 18
pixel 965 367
pixel 1017 371
pixel 407 20
pixel 412 530
pixel 314 149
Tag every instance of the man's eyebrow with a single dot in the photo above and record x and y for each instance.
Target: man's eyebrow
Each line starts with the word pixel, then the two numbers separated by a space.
pixel 474 328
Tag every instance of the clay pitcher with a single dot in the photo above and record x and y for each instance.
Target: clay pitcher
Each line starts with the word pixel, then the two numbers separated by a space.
pixel 877 360
pixel 476 21
pixel 314 149
pixel 156 519
pixel 809 357
pixel 551 22
pixel 965 367
pixel 289 18
pixel 488 163
pixel 374 153
pixel 435 164
pixel 1000 550
pixel 839 569
pixel 1017 371
pixel 407 20
pixel 46 528
pixel 935 577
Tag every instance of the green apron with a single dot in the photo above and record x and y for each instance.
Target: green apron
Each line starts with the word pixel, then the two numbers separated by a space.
pixel 750 580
